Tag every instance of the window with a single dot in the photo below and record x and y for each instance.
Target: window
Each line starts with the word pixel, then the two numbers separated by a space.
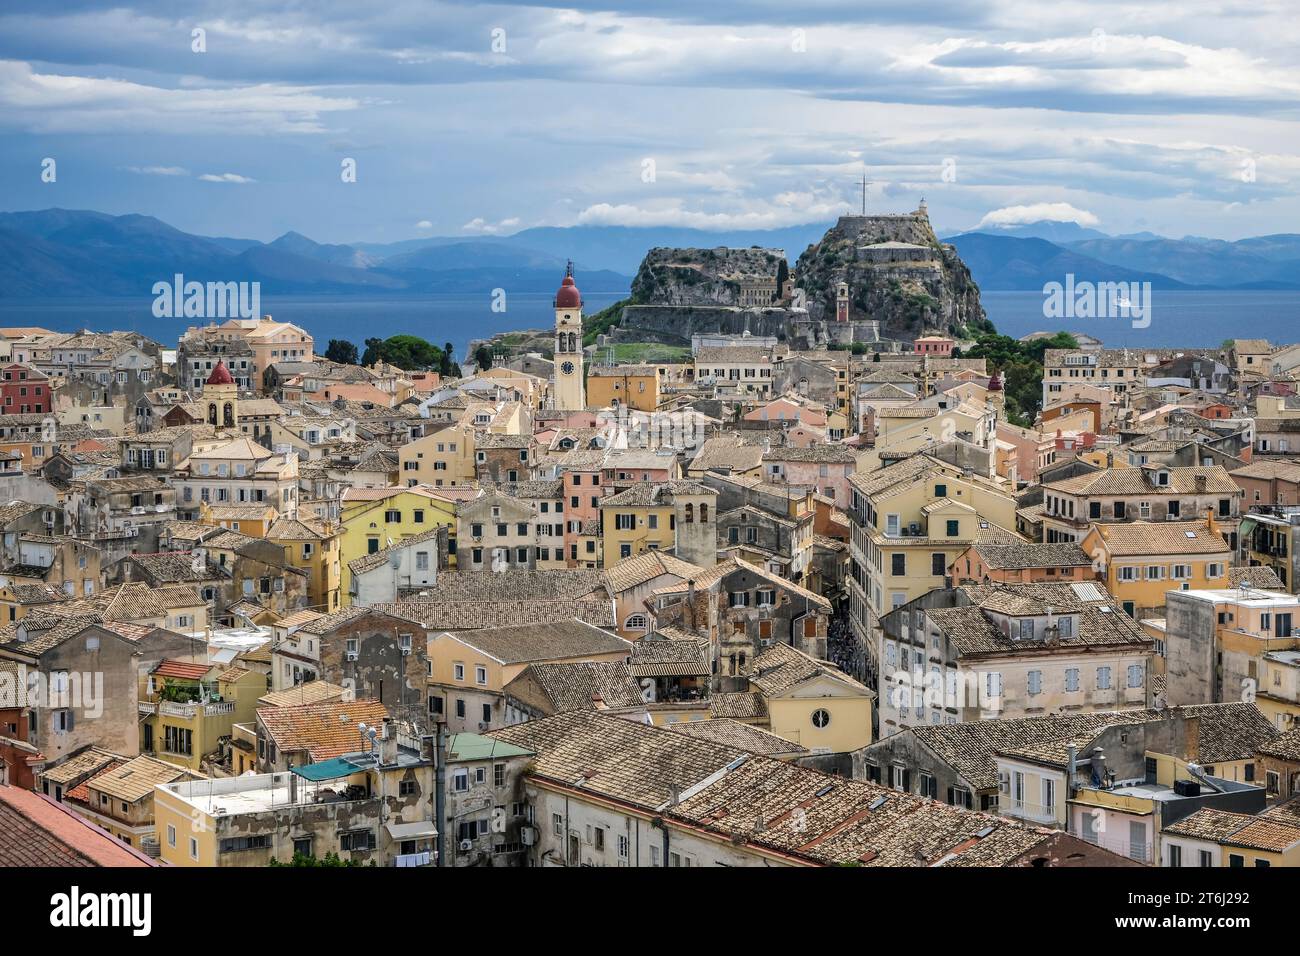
pixel 1206 858
pixel 1136 675
pixel 993 684
pixel 898 564
pixel 557 824
pixel 953 527
pixel 766 597
pixel 938 564
pixel 498 775
pixel 820 718
pixel 460 780
pixel 171 836
pixel 1175 855
pixel 458 671
pixel 1103 678
pixel 480 675
pixel 1035 683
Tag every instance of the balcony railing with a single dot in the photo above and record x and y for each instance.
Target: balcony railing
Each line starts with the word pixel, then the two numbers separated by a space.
pixel 1025 810
pixel 172 709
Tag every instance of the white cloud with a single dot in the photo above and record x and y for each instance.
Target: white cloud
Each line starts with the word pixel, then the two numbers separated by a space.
pixel 226 178
pixel 63 103
pixel 1039 212
pixel 481 226
pixel 789 209
pixel 424 224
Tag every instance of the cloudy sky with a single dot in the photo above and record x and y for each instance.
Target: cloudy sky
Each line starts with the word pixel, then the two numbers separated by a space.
pixel 468 119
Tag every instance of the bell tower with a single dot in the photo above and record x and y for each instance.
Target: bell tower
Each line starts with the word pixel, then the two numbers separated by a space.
pixel 221 399
pixel 570 392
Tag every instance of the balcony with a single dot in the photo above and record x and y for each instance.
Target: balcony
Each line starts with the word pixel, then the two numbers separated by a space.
pixel 1024 810
pixel 171 709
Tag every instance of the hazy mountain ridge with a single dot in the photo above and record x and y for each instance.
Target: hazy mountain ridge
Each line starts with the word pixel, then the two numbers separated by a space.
pixel 61 253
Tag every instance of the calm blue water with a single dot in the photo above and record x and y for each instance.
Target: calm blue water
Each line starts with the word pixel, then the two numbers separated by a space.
pixel 1177 318
pixel 1194 319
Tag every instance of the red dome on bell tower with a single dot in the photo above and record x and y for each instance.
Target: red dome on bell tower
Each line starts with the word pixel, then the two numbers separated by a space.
pixel 568 297
pixel 220 375
pixel 995 382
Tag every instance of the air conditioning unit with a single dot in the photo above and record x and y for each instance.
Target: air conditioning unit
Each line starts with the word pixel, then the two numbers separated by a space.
pixel 353 655
pixel 466 845
pixel 528 835
pixel 406 652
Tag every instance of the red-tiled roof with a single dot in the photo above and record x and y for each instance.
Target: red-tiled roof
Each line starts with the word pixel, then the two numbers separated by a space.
pixel 182 669
pixel 39 832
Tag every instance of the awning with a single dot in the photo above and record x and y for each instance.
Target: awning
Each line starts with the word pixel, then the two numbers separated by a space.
pixel 411 831
pixel 1245 528
pixel 327 770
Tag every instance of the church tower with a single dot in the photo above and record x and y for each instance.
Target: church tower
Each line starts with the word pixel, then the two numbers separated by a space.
pixel 570 392
pixel 842 302
pixel 221 399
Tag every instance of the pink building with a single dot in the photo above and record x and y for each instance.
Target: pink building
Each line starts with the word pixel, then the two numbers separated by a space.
pixel 936 345
pixel 824 468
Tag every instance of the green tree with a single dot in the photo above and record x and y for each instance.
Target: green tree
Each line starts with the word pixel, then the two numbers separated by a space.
pixel 342 351
pixel 483 358
pixel 408 352
pixel 374 351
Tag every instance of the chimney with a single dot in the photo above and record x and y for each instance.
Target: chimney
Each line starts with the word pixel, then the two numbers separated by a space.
pixel 1192 738
pixel 690 600
pixel 1099 767
pixel 388 743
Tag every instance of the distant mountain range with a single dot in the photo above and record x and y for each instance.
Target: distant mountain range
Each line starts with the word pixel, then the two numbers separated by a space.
pixel 59 253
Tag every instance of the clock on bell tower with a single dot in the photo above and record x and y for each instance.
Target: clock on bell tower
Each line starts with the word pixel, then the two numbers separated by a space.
pixel 570 391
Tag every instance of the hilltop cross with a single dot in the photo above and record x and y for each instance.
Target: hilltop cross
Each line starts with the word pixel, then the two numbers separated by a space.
pixel 865 184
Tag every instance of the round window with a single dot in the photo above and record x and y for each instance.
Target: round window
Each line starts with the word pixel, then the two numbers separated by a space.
pixel 820 718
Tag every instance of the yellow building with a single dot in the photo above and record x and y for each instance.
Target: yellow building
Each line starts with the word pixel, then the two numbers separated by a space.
pixel 1219 838
pixel 660 516
pixel 627 386
pixel 373 807
pixel 911 521
pixel 121 799
pixel 374 518
pixel 252 520
pixel 811 702
pixel 313 546
pixel 444 459
pixel 1142 560
pixel 469 670
pixel 185 708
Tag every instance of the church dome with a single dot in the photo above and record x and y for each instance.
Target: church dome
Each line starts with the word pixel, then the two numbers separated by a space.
pixel 220 375
pixel 568 297
pixel 995 382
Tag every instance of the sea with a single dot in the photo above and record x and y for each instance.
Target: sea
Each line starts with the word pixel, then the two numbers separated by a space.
pixel 1178 318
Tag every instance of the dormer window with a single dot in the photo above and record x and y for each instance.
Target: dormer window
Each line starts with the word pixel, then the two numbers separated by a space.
pixel 1027 629
pixel 1162 478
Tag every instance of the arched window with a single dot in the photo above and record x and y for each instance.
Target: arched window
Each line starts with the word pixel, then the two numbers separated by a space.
pixel 690 513
pixel 228 414
pixel 636 622
pixel 212 413
pixel 704 513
